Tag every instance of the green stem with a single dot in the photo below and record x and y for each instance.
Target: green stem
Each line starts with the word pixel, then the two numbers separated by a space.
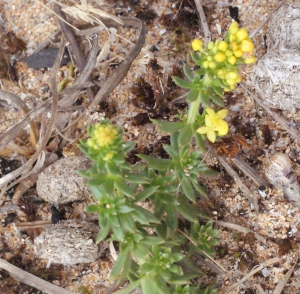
pixel 194 110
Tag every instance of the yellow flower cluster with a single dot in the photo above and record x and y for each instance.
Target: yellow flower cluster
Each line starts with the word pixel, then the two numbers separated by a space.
pixel 223 56
pixel 214 124
pixel 240 44
pixel 103 136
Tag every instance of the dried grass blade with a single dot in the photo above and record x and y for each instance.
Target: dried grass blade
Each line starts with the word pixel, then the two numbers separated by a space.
pixel 28 165
pixel 246 192
pixel 31 280
pixel 240 229
pixel 253 272
pixel 280 286
pixel 19 103
pixel 250 172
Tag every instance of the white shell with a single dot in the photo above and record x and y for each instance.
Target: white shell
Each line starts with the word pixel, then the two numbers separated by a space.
pixel 279 172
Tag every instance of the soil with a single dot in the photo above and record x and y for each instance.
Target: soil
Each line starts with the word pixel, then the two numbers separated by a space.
pixel 146 92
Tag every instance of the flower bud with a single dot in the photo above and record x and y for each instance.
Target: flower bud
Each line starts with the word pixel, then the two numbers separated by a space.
pixel 228 53
pixel 238 53
pixel 232 60
pixel 223 46
pixel 242 34
pixel 212 65
pixel 233 28
pixel 197 45
pixel 247 46
pixel 250 60
pixel 210 45
pixel 220 57
pixel 232 38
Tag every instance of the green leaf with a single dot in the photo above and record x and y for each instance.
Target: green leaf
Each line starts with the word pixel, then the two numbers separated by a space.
pixel 160 285
pixel 200 71
pixel 187 72
pixel 195 57
pixel 205 99
pixel 200 143
pixel 103 231
pixel 218 91
pixel 210 173
pixel 172 219
pixel 129 146
pixel 124 188
pixel 136 178
pixel 97 192
pixel 156 163
pixel 112 168
pixel 92 208
pixel 182 83
pixel 185 135
pixel 188 189
pixel 147 285
pixel 98 180
pixel 143 215
pixel 192 95
pixel 181 280
pixel 152 240
pixel 174 140
pixel 167 126
pixel 84 173
pixel 171 151
pixel 146 193
pixel 201 189
pixel 129 288
pixel 217 100
pixel 187 210
pixel 118 233
pixel 124 209
pixel 161 229
pixel 119 264
pixel 127 222
pixel 141 251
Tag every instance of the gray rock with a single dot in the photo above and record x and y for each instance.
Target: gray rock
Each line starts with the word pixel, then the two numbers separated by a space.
pixel 59 183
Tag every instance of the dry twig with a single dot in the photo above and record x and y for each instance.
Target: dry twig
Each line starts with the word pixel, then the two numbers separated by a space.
pixel 241 229
pixel 203 21
pixel 253 272
pixel 31 280
pixel 277 117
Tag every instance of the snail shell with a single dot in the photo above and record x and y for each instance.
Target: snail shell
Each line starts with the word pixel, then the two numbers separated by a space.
pixel 279 172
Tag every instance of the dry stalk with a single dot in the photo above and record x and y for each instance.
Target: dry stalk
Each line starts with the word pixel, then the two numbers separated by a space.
pixel 40 147
pixel 280 286
pixel 31 280
pixel 241 229
pixel 206 31
pixel 253 33
pixel 246 192
pixel 253 272
pixel 19 103
pixel 259 289
pixel 274 115
pixel 250 172
pixel 34 225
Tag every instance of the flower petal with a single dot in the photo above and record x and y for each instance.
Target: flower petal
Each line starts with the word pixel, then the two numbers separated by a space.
pixel 202 130
pixel 208 120
pixel 223 128
pixel 210 112
pixel 222 113
pixel 211 136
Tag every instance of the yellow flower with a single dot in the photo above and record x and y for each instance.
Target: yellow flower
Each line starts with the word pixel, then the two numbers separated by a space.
pixel 214 124
pixel 234 27
pixel 197 45
pixel 220 57
pixel 247 46
pixel 250 60
pixel 108 156
pixel 223 46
